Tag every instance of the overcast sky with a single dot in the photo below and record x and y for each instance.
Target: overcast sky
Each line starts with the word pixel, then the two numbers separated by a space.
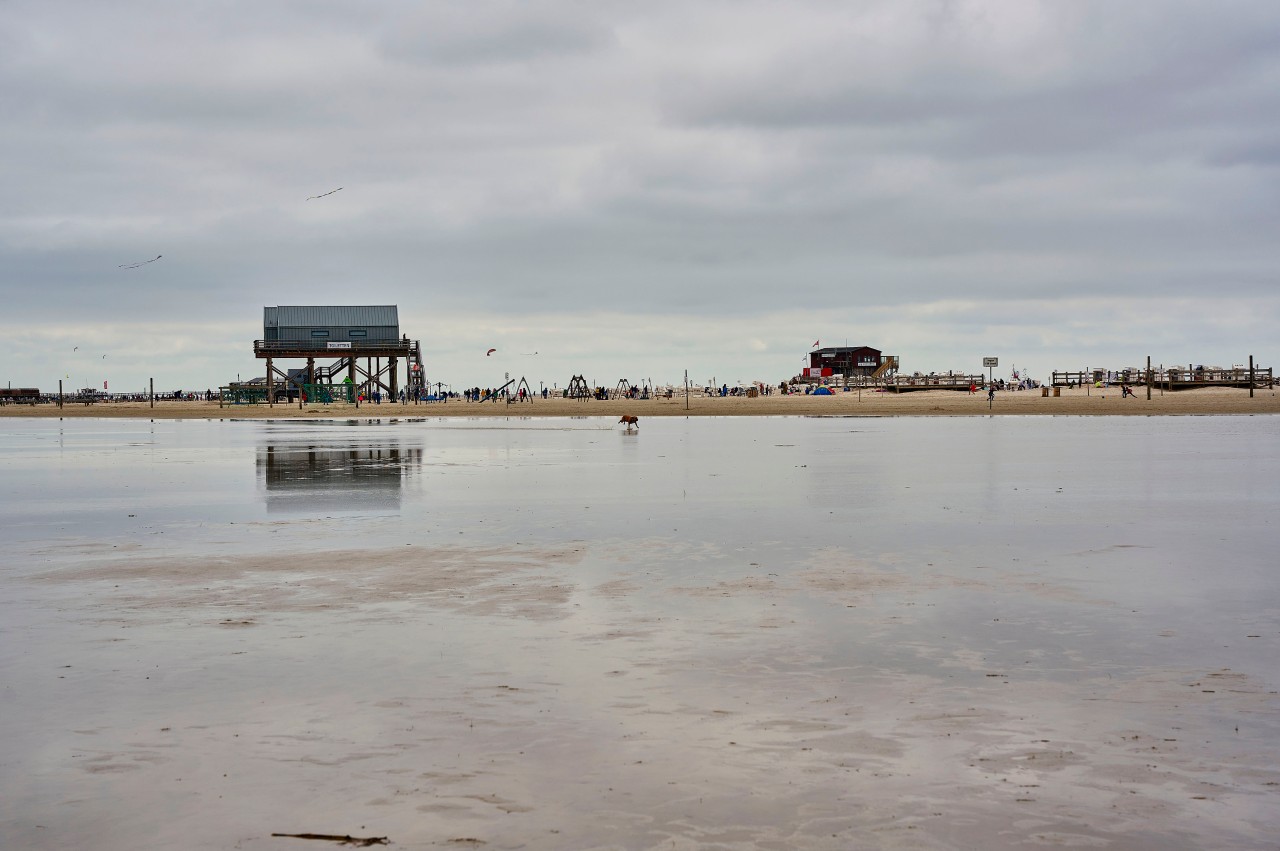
pixel 636 189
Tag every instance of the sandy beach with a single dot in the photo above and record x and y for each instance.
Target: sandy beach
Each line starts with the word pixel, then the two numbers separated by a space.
pixel 946 403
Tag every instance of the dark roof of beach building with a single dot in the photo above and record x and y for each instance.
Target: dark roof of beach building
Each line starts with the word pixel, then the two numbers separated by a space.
pixel 303 316
pixel 845 349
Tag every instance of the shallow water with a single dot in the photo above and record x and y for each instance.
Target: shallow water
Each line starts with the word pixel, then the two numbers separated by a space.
pixel 725 633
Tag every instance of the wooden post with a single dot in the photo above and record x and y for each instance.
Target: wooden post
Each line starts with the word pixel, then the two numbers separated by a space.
pixel 153 393
pixel 1148 378
pixel 686 389
pixel 271 384
pixel 59 392
pixel 1250 376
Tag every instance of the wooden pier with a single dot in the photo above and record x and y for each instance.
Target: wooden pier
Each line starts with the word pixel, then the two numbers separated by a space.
pixel 19 395
pixel 950 381
pixel 1178 378
pixel 1242 377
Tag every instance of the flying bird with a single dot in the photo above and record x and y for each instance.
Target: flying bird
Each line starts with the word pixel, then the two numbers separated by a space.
pixel 491 351
pixel 136 265
pixel 324 194
pixel 75 348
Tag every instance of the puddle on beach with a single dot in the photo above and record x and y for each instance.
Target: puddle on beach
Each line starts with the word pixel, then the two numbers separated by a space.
pixel 713 633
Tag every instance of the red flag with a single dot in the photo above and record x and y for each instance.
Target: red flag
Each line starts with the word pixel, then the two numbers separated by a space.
pixel 815 344
pixel 104 385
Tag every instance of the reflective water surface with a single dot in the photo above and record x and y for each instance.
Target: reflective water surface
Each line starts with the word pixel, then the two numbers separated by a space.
pixel 720 633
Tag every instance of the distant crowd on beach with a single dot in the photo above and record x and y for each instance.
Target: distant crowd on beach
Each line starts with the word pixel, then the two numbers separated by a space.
pixel 488 394
pixel 1021 384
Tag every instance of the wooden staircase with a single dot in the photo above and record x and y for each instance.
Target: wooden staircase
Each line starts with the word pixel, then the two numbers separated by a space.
pixel 888 366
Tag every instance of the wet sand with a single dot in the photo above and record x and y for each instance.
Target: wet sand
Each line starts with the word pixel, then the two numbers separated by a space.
pixel 559 635
pixel 362 693
pixel 1071 402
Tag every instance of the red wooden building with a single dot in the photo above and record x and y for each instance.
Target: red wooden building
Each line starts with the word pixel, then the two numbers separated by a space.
pixel 848 362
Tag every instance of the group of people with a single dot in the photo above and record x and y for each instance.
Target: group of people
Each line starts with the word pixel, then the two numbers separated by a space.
pixel 488 394
pixel 631 392
pixel 726 390
pixel 413 395
pixel 1001 384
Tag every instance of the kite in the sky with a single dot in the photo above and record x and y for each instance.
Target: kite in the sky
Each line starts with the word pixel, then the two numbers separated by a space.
pixel 324 194
pixel 491 351
pixel 136 265
pixel 528 353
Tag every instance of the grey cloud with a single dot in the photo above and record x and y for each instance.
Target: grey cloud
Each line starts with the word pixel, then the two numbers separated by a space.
pixel 1133 75
pixel 726 162
pixel 502 33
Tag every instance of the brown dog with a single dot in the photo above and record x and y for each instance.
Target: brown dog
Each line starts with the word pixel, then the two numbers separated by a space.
pixel 630 421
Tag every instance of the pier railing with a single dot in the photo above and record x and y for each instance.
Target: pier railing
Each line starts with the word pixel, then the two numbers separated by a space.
pixel 1234 375
pixel 1171 378
pixel 950 381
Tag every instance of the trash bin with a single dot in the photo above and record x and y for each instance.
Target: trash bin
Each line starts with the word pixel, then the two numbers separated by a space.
pixel 1057 391
pixel 1044 391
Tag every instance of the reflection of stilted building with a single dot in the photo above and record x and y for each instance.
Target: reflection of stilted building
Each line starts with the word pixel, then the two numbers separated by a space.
pixel 311 477
pixel 360 345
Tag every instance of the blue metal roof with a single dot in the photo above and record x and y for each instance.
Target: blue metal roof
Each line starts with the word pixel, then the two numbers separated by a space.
pixel 302 316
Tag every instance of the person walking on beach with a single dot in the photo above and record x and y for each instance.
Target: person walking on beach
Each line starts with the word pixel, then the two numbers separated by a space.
pixel 991 393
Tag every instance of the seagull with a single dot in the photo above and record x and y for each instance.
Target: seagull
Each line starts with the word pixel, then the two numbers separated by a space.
pixel 136 265
pixel 322 195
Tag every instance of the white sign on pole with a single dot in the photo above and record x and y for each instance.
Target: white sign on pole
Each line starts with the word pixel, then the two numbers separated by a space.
pixel 991 361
